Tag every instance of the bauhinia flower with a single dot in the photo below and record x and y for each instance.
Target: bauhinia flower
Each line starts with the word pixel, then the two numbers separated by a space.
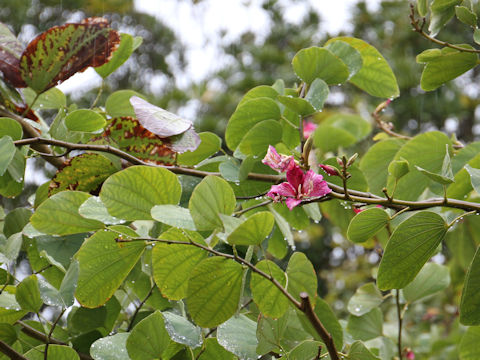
pixel 299 186
pixel 330 170
pixel 278 162
pixel 308 128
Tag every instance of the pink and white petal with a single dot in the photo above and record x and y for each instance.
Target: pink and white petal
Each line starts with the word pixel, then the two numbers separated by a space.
pixel 295 177
pixel 292 202
pixel 314 185
pixel 272 158
pixel 283 189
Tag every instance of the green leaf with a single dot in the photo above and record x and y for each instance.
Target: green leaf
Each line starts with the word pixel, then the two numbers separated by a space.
pixel 16 220
pixel 470 302
pixel 329 321
pixel 358 351
pixel 213 351
pixel 317 94
pixel 85 120
pixel 173 215
pixel 55 352
pixel 299 105
pixel 28 294
pixel 211 197
pixel 93 208
pixel 412 243
pixel 84 320
pixel 238 335
pixel 301 276
pixel 149 338
pixel 248 114
pixel 269 299
pixel 182 331
pixel 466 16
pixel 219 276
pixel 427 151
pixel 120 55
pixel 277 245
pixel 428 55
pixel 468 349
pixel 8 333
pixel 474 177
pixel 85 172
pixel 366 224
pixel 118 103
pixel 398 168
pixel 64 296
pixel 262 91
pixel 254 230
pixel 48 100
pixel 374 163
pixel 7 151
pixel 63 207
pixel 308 349
pixel 11 128
pixel 441 13
pixel 104 264
pixel 256 140
pixel 283 226
pixel 210 144
pixel 348 54
pixel 422 7
pixel 447 67
pixel 10 249
pixel 430 280
pixel 110 347
pixel 131 193
pixel 375 77
pixel 173 264
pixel 476 36
pixel 366 298
pixel 315 62
pixel 367 326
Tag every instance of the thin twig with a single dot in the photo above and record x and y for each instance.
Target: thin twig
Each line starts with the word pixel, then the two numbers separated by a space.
pixel 10 352
pixel 130 326
pixel 386 127
pixel 243 211
pixel 400 319
pixel 45 354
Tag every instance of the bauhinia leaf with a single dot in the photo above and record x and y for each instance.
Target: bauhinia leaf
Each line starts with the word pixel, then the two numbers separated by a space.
pixel 10 52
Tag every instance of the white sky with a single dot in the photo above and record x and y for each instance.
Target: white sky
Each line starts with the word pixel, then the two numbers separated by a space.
pixel 198 27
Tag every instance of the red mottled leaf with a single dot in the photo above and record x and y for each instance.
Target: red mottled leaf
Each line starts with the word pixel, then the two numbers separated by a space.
pixel 157 120
pixel 85 172
pixel 128 135
pixel 10 52
pixel 61 51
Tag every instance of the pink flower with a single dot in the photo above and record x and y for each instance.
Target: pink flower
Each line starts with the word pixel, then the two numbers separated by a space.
pixel 278 162
pixel 308 128
pixel 330 170
pixel 300 185
pixel 410 355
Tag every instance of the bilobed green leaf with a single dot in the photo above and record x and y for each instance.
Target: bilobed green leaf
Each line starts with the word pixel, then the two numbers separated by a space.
pixel 441 13
pixel 28 294
pixel 219 276
pixel 182 331
pixel 431 279
pixel 315 62
pixel 468 349
pixel 85 120
pixel 447 67
pixel 120 55
pixel 329 138
pixel 63 207
pixel 269 299
pixel 11 128
pixel 466 16
pixel 474 177
pixel 308 349
pixel 213 196
pixel 213 351
pixel 366 224
pixel 55 352
pixel 85 172
pixel 210 144
pixel 10 248
pixel 15 221
pixel 301 276
pixel 366 298
pixel 238 335
pixel 111 347
pixel 299 105
pixel 317 94
pixel 118 103
pixel 469 314
pixel 149 338
pixel 412 243
pixel 131 193
pixel 256 140
pixel 173 264
pixel 230 169
pixel 50 99
pixel 9 187
pixel 248 114
pixel 367 326
pixel 283 226
pixel 173 215
pixel 84 320
pixel 428 55
pixel 61 51
pixel 375 77
pixel 254 230
pixel 422 7
pixel 259 92
pixel 93 208
pixel 104 264
pixel 358 351
pixel 348 54
pixel 7 151
pixel 398 168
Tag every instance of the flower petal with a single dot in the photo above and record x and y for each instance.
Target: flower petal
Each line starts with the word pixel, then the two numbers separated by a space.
pixel 314 185
pixel 295 177
pixel 291 202
pixel 283 189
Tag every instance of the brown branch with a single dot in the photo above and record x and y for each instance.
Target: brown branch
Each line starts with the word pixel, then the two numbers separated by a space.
pixel 35 334
pixel 130 326
pixel 384 126
pixel 30 132
pixel 307 309
pixel 417 27
pixel 10 352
